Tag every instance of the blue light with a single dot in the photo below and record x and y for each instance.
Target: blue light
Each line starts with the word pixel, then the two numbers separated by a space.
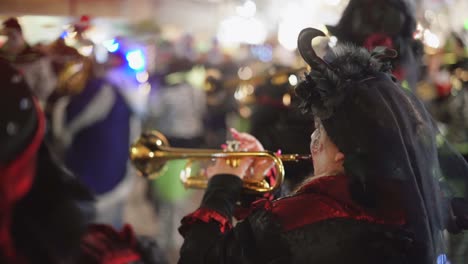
pixel 442 259
pixel 262 52
pixel 136 60
pixel 111 45
pixel 113 48
pixel 64 34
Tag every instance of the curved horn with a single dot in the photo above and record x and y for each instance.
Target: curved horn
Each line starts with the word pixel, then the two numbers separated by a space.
pixel 307 52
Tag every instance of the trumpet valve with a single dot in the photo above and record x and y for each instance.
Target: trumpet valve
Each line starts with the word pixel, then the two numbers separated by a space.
pixel 233 162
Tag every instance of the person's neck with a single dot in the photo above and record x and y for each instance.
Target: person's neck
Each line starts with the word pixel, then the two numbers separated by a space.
pixel 328 173
pixel 335 169
pixel 325 173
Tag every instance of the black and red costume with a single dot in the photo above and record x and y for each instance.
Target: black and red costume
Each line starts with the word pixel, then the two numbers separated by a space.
pixel 321 212
pixel 393 203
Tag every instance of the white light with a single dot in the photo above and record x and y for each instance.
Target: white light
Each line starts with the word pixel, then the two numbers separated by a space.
pixel 240 94
pixel 419 32
pixel 142 77
pixel 136 60
pixel 185 174
pixel 333 41
pixel 333 2
pixel 86 50
pixel 292 80
pixel 293 20
pixel 111 45
pixel 287 35
pixel 248 9
pixel 237 29
pixel 101 54
pixel 182 176
pixel 245 73
pixel 431 39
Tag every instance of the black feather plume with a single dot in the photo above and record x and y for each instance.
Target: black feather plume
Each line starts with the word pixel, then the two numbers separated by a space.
pixel 327 84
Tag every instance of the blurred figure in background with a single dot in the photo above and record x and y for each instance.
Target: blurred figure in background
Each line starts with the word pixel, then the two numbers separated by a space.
pixel 215 55
pixel 94 125
pixel 45 211
pixel 388 23
pixel 220 102
pixel 176 109
pixel 32 62
pixel 185 48
pixel 450 78
pixel 449 73
pixel 279 125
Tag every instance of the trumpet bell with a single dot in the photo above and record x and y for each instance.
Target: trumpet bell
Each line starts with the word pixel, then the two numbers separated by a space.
pixel 144 151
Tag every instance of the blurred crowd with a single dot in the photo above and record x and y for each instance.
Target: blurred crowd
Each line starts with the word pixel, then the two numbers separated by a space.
pixel 96 109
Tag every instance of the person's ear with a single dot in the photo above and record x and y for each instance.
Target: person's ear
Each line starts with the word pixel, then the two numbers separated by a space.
pixel 317 147
pixel 339 157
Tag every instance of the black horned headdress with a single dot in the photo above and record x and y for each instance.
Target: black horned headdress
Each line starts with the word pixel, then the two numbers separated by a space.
pixel 326 85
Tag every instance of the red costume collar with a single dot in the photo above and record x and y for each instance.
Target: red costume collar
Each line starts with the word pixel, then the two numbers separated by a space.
pixel 16 179
pixel 334 186
pixel 326 198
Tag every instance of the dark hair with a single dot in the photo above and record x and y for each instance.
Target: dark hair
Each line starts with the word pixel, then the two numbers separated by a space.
pixel 12 23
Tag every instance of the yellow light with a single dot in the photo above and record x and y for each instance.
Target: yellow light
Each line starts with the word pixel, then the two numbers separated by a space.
pixel 249 89
pixel 245 112
pixel 287 99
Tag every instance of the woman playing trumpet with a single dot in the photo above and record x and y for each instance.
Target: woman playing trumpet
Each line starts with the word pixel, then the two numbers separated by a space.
pixel 376 196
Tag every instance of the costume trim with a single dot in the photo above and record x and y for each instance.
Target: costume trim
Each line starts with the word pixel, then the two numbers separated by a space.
pixel 104 244
pixel 205 215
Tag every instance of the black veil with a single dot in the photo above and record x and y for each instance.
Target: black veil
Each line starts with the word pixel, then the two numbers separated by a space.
pixel 394 153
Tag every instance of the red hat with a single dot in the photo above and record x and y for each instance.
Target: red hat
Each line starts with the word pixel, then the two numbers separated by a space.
pixel 83 24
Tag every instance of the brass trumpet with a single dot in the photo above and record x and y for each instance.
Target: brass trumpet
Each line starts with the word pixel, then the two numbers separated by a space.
pixel 151 151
